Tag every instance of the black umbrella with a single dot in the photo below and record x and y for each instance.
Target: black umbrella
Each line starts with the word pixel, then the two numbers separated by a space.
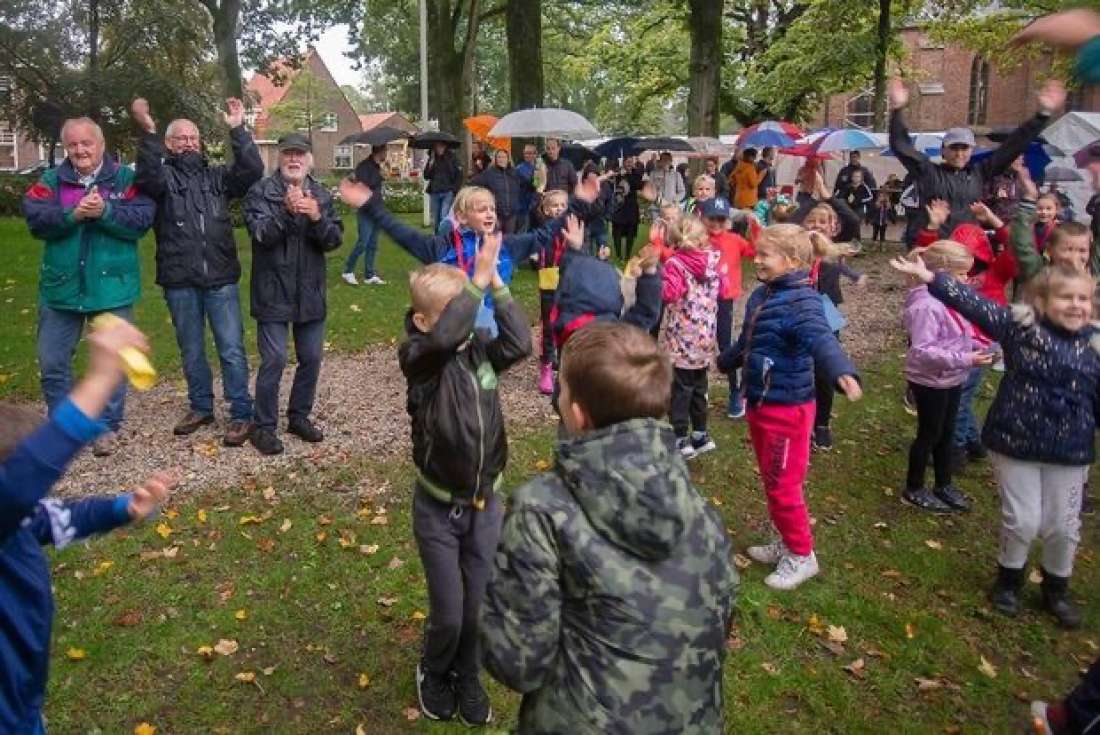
pixel 626 145
pixel 577 154
pixel 375 136
pixel 663 143
pixel 430 138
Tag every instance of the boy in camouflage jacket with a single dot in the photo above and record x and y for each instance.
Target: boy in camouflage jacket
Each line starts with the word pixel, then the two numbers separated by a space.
pixel 613 589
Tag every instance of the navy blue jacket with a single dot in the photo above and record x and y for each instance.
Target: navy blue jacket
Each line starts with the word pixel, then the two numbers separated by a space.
pixel 505 185
pixel 1046 406
pixel 589 290
pixel 27 521
pixel 784 335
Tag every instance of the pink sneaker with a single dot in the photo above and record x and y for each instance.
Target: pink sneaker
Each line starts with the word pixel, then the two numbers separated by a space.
pixel 546 379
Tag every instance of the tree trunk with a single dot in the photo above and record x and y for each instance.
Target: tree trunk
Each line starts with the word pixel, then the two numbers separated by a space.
pixel 882 49
pixel 93 60
pixel 705 67
pixel 226 16
pixel 526 88
pixel 446 87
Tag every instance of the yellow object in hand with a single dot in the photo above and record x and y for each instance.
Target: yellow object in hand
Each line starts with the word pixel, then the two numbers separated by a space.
pixel 139 371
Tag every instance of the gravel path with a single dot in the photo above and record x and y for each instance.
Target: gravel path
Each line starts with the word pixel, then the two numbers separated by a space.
pixel 361 406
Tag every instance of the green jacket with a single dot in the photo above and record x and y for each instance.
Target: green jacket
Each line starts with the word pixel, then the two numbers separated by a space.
pixel 89 265
pixel 612 592
pixel 1029 260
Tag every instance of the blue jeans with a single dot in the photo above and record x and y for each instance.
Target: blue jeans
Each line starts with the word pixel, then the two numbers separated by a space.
pixel 191 308
pixel 967 429
pixel 58 334
pixel 309 340
pixel 440 203
pixel 366 244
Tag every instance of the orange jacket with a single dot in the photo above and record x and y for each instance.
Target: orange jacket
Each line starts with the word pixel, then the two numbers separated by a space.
pixel 732 248
pixel 745 179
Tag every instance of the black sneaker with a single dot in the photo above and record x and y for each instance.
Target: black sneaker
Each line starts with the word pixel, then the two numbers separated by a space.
pixel 702 443
pixel 437 698
pixel 474 708
pixel 265 441
pixel 304 429
pixel 953 497
pixel 822 440
pixel 923 498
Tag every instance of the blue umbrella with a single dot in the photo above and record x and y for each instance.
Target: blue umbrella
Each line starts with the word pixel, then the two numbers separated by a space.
pixel 1036 158
pixel 763 137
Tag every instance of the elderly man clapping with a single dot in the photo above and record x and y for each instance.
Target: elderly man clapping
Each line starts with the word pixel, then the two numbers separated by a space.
pixel 91 217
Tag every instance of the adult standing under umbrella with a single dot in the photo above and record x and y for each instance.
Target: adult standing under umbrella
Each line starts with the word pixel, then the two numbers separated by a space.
pixel 844 177
pixel 528 188
pixel 444 176
pixel 957 180
pixel 501 179
pixel 369 171
pixel 625 214
pixel 560 173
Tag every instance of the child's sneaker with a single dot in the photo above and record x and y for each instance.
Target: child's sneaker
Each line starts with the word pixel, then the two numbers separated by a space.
pixel 474 708
pixel 792 571
pixel 822 440
pixel 350 279
pixel 546 379
pixel 375 280
pixel 683 445
pixel 437 698
pixel 923 498
pixel 768 553
pixel 736 408
pixel 701 443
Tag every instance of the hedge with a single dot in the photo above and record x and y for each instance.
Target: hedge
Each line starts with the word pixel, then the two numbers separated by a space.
pixel 12 187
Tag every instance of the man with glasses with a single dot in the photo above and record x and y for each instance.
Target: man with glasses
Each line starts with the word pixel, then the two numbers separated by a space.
pixel 957 180
pixel 197 264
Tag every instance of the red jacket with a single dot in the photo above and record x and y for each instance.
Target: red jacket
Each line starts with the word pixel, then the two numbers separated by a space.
pixel 732 248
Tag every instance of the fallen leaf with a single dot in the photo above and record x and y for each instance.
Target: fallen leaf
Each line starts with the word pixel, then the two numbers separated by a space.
pixel 924 685
pixel 129 619
pixel 880 524
pixel 201 515
pixel 856 668
pixel 933 544
pixel 330 658
pixel 170 552
pixel 285 525
pixel 246 520
pixel 269 670
pixel 266 545
pixel 364 681
pixel 379 520
pixel 910 631
pixel 163 529
pixel 355 308
pixel 320 536
pixel 171 514
pixel 269 493
pixel 387 601
pixel 987 668
pixel 226 647
pixel 241 614
pixel 360 730
pixel 541 465
pixel 368 549
pixel 412 714
pixel 837 634
pixel 76 654
pixel 102 568
pixel 144 728
pixel 324 521
pixel 395 563
pixel 815 626
pixel 245 676
pixel 774 612
pixel 417 615
pixel 770 668
pixel 717 501
pixel 741 561
pixel 205 651
pixel 347 539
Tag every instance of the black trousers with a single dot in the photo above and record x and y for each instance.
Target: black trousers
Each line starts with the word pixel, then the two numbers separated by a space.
pixel 936 411
pixel 623 237
pixel 725 335
pixel 824 392
pixel 878 232
pixel 688 408
pixel 456 545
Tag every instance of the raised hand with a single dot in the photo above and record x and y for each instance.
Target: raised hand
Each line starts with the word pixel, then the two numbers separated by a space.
pixel 897 93
pixel 1028 189
pixel 850 387
pixel 234 112
pixel 139 112
pixel 1064 30
pixel 573 231
pixel 486 264
pixel 152 493
pixel 354 193
pixel 913 267
pixel 1052 95
pixel 587 189
pixel 984 215
pixel 938 212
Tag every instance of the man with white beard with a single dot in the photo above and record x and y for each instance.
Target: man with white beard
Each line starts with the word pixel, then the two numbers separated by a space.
pixel 293 223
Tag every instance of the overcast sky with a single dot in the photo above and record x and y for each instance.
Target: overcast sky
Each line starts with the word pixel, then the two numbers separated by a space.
pixel 331 46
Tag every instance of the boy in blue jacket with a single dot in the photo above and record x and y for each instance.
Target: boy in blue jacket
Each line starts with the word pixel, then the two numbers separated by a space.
pixel 34 456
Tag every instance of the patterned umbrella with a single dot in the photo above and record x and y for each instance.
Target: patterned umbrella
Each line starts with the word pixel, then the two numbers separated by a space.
pixel 847 139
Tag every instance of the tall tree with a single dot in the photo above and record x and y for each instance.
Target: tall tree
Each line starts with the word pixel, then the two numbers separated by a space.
pixel 882 52
pixel 523 26
pixel 705 66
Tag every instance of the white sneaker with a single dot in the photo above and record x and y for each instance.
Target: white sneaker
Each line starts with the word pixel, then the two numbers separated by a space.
pixel 350 279
pixel 769 553
pixel 792 571
pixel 686 450
pixel 375 281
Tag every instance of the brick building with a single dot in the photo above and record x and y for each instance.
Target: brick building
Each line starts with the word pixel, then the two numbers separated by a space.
pixel 16 150
pixel 952 86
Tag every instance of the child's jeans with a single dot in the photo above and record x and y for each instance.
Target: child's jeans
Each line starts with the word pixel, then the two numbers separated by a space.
pixel 456 545
pixel 688 407
pixel 546 304
pixel 967 430
pixel 1041 500
pixel 781 439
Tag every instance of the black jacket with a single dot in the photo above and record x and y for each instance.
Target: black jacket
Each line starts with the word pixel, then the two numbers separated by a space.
pixel 195 245
pixel 288 252
pixel 458 437
pixel 504 183
pixel 370 173
pixel 959 187
pixel 560 174
pixel 443 173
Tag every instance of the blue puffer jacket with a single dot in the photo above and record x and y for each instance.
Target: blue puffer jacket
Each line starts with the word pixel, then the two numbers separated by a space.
pixel 27 521
pixel 784 335
pixel 1046 406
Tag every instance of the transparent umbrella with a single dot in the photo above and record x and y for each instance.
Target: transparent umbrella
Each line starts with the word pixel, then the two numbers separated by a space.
pixel 543 122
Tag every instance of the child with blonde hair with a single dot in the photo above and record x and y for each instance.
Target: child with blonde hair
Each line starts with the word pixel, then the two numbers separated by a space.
pixel 548 264
pixel 784 336
pixel 689 330
pixel 943 348
pixel 1041 427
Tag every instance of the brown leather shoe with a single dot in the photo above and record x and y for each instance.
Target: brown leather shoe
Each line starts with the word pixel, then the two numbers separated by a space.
pixel 237 433
pixel 190 423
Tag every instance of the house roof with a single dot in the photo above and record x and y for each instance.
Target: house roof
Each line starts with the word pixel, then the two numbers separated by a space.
pixel 373 120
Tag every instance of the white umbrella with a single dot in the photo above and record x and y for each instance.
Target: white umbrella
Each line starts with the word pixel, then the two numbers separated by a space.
pixel 539 122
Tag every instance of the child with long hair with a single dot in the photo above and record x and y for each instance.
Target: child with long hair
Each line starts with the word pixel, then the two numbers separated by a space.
pixel 1041 427
pixel 548 263
pixel 688 330
pixel 943 348
pixel 784 336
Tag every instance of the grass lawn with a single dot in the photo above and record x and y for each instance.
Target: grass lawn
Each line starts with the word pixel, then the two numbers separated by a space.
pixel 311 578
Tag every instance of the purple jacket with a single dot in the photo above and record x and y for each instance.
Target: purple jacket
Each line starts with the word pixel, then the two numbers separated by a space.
pixel 940 342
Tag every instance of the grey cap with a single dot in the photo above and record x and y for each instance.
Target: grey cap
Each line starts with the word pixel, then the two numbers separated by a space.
pixel 958 136
pixel 295 142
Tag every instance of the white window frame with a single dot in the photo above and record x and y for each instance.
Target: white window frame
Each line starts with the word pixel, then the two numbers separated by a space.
pixel 345 152
pixel 330 122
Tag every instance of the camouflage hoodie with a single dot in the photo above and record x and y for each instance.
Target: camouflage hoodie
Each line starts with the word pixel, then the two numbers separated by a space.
pixel 612 592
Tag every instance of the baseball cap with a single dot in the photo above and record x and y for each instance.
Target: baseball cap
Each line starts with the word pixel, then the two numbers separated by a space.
pixel 718 207
pixel 958 136
pixel 295 142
